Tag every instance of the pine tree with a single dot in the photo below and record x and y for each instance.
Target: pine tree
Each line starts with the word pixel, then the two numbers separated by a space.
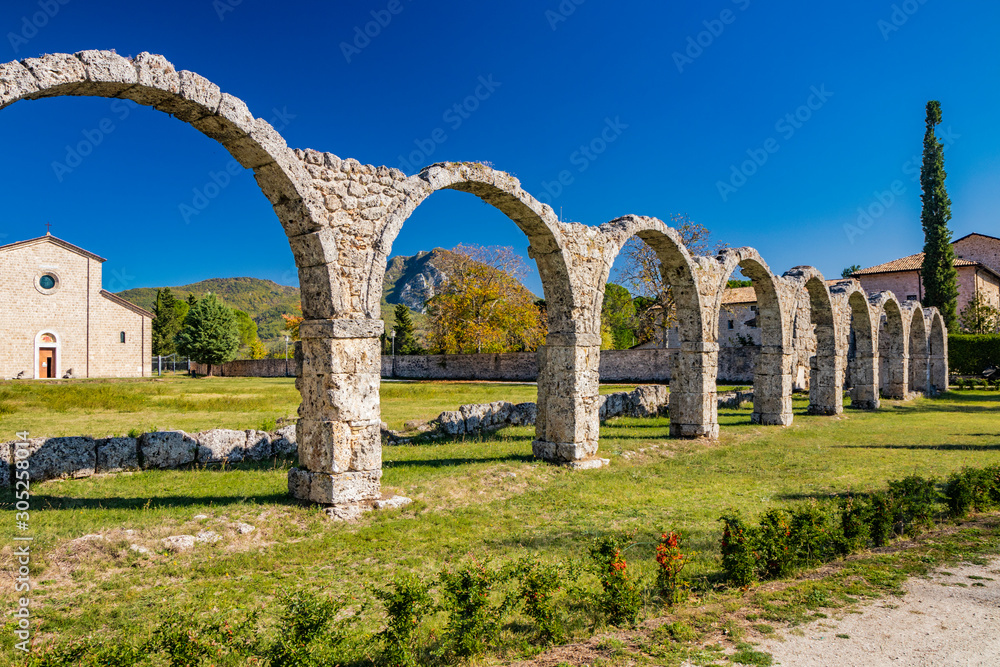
pixel 167 322
pixel 938 271
pixel 406 340
pixel 210 334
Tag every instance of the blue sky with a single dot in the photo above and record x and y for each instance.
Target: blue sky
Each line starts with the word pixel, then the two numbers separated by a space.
pixel 773 124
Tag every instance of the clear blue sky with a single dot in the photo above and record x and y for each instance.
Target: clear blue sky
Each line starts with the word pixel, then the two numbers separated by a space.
pixel 560 79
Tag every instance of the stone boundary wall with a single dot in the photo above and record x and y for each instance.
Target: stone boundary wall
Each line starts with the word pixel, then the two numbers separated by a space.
pixel 736 364
pixel 81 456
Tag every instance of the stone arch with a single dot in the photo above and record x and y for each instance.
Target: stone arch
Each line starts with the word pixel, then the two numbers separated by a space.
pixel 693 280
pixel 859 322
pixel 567 384
pixel 772 382
pixel 827 372
pixel 893 346
pixel 937 348
pixel 919 369
pixel 504 193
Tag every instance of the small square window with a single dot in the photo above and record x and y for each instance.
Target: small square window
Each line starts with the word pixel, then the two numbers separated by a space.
pixel 730 324
pixel 911 297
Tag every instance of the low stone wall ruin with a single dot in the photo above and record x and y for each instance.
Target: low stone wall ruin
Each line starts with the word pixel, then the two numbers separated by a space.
pixel 51 458
pixel 480 418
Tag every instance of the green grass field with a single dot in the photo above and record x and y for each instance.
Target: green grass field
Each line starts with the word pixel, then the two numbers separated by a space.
pixel 101 408
pixel 485 498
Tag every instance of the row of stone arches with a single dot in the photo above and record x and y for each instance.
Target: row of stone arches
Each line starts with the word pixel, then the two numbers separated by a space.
pixel 341 218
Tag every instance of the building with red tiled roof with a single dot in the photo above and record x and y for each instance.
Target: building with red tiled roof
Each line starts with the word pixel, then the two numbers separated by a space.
pixel 977 260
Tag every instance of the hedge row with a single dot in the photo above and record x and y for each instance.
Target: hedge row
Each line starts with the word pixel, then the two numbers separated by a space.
pixel 785 540
pixel 971 354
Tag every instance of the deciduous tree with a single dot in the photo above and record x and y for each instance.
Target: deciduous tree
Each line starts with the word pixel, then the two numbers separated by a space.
pixel 940 279
pixel 640 272
pixel 979 316
pixel 483 307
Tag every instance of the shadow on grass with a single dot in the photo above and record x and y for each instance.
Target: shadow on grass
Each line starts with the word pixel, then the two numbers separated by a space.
pixel 445 463
pixel 41 501
pixel 956 447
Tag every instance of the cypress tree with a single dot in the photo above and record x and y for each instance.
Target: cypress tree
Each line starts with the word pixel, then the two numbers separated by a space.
pixel 166 324
pixel 406 340
pixel 938 270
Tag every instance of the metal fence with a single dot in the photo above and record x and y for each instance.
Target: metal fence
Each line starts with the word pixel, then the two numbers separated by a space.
pixel 170 364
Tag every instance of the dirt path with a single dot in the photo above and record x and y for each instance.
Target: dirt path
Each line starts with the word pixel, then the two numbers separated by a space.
pixel 949 618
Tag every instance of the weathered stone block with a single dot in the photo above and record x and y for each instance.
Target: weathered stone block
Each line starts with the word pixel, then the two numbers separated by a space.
pixel 339 446
pixel 283 442
pixel 330 356
pixel 221 444
pixel 117 454
pixel 15 82
pixel 109 72
pixel 49 458
pixel 258 447
pixel 332 489
pixel 57 74
pixel 166 449
pixel 452 422
pixel 5 464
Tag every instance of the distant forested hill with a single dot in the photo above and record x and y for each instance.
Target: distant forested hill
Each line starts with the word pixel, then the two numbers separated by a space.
pixel 263 300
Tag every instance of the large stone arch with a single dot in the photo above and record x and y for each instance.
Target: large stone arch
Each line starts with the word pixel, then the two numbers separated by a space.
pixel 568 378
pixel 693 281
pixel 919 366
pixel 937 348
pixel 339 446
pixel 827 371
pixel 772 383
pixel 893 346
pixel 859 322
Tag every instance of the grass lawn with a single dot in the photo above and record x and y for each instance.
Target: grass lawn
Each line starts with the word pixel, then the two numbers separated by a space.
pixel 484 498
pixel 101 408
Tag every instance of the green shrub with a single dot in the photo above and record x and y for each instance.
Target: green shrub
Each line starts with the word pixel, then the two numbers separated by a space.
pixel 814 535
pixel 538 584
pixel 406 602
pixel 671 561
pixel 620 599
pixel 855 524
pixel 473 617
pixel 774 552
pixel 739 562
pixel 307 635
pixel 883 518
pixel 973 488
pixel 971 354
pixel 917 503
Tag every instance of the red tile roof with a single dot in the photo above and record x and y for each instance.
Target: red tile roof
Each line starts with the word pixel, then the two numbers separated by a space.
pixel 909 263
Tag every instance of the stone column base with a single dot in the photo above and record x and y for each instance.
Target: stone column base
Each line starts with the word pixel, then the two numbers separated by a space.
pixel 694 430
pixel 823 410
pixel 772 418
pixel 872 404
pixel 563 452
pixel 343 488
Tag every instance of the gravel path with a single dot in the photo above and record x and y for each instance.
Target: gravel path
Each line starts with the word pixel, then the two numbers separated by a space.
pixel 950 618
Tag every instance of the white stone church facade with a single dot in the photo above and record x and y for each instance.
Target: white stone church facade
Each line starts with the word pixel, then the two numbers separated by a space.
pixel 56 320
